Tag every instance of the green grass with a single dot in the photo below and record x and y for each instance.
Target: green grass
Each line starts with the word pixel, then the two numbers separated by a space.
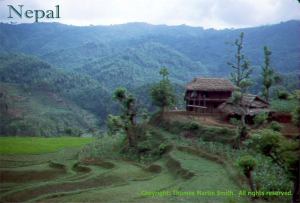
pixel 38 145
pixel 125 182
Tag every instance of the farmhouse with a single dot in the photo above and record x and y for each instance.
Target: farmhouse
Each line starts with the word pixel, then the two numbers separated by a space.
pixel 205 95
pixel 212 95
pixel 250 104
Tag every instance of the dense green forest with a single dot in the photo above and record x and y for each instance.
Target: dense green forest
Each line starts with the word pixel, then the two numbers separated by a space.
pixel 75 69
pixel 48 100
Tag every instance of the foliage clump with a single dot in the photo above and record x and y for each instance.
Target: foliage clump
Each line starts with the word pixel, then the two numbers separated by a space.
pixel 162 93
pixel 247 163
pixel 275 126
pixel 260 119
pixel 283 94
pixel 283 152
pixel 296 111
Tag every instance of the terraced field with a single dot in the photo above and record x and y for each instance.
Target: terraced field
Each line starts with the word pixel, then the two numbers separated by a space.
pixel 61 177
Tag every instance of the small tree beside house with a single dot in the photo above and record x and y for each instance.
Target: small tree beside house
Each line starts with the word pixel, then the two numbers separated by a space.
pixel 162 93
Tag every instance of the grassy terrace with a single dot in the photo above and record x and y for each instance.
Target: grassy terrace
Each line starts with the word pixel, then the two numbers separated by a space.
pixel 39 145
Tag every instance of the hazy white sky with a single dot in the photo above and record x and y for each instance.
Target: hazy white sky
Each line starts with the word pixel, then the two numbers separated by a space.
pixel 205 13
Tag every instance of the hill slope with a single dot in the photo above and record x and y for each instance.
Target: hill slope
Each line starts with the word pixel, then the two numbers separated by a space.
pixel 82 65
pixel 71 46
pixel 44 93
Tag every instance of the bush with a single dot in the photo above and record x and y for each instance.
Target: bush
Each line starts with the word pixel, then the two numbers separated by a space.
pixel 234 121
pixel 114 124
pixel 296 111
pixel 275 126
pixel 151 145
pixel 247 163
pixel 192 126
pixel 296 116
pixel 266 141
pixel 282 94
pixel 260 119
pixel 267 175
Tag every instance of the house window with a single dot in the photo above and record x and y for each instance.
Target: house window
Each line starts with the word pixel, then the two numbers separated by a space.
pixel 194 94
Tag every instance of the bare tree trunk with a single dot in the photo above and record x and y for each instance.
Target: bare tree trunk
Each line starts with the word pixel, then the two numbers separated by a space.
pixel 267 94
pixel 250 180
pixel 163 110
pixel 251 183
pixel 129 137
pixel 243 119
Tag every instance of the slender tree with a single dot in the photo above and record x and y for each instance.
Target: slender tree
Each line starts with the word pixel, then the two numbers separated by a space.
pixel 129 112
pixel 241 127
pixel 267 74
pixel 240 76
pixel 162 93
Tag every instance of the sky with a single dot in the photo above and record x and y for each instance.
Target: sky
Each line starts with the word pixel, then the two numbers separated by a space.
pixel 216 14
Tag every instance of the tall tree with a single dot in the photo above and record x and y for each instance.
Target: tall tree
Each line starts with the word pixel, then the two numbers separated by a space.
pixel 267 74
pixel 240 76
pixel 162 93
pixel 129 112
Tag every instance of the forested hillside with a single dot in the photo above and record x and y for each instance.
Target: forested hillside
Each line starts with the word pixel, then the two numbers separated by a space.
pixel 30 87
pixel 83 65
pixel 72 46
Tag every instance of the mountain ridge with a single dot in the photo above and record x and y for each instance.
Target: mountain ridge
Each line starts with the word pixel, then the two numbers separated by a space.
pixel 209 47
pixel 83 65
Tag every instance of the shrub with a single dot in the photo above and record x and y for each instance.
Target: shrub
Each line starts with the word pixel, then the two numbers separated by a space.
pixel 260 119
pixel 296 116
pixel 234 121
pixel 192 126
pixel 282 94
pixel 150 146
pixel 266 141
pixel 246 163
pixel 114 124
pixel 275 126
pixel 296 111
pixel 267 175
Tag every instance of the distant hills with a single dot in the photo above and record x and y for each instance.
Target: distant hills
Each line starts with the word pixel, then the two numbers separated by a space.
pixel 72 46
pixel 83 65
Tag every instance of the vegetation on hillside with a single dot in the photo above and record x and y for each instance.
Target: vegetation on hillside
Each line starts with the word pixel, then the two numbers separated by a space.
pixel 32 89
